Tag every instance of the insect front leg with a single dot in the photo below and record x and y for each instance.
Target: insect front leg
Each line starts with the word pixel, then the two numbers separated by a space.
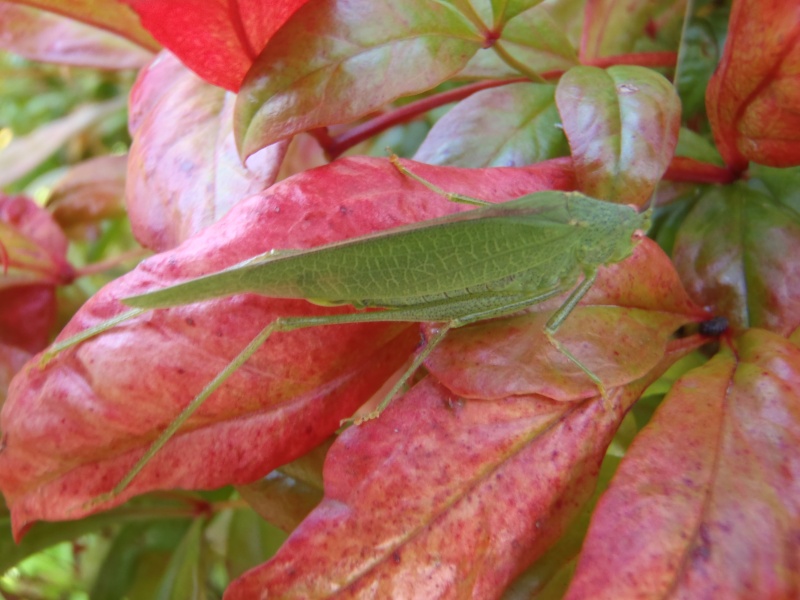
pixel 560 315
pixel 468 317
pixel 86 334
pixel 281 324
pixel 458 198
pixel 430 346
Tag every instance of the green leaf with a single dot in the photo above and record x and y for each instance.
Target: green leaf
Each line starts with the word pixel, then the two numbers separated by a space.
pixel 782 184
pixel 43 535
pixel 131 546
pixel 509 126
pixel 505 10
pixel 694 145
pixel 23 154
pixel 534 39
pixel 186 574
pixel 251 541
pixel 337 60
pixel 731 252
pixel 699 55
pixel 622 125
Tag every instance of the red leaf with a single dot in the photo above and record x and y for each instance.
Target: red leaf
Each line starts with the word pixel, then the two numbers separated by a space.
pixel 635 307
pixel 217 39
pixel 753 96
pixel 75 427
pixel 43 36
pixel 110 15
pixel 442 497
pixel 32 263
pixel 27 316
pixel 183 171
pixel 706 503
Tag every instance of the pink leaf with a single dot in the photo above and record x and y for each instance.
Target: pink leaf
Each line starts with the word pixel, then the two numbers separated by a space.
pixel 442 497
pixel 46 37
pixel 119 390
pixel 183 171
pixel 705 503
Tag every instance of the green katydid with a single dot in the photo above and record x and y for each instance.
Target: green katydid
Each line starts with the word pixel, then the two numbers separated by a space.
pixel 471 266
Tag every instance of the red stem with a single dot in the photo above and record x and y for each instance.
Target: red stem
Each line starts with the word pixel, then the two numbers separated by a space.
pixel 112 262
pixel 643 59
pixel 335 146
pixel 693 171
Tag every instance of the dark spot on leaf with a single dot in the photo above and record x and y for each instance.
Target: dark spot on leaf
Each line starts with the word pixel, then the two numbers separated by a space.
pixel 396 557
pixel 702 551
pixel 190 321
pixel 713 327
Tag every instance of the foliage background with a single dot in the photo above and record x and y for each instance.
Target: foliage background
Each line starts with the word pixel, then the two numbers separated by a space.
pixel 118 168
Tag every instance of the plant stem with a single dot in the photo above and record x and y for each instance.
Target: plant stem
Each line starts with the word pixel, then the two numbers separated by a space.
pixel 115 261
pixel 335 146
pixel 642 59
pixel 515 64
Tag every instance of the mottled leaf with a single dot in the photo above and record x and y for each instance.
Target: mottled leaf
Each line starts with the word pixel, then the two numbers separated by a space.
pixel 549 568
pixel 508 126
pixel 337 60
pixel 752 97
pixel 622 124
pixel 705 503
pixel 183 170
pixel 46 37
pixel 443 497
pixel 731 252
pixel 111 15
pixel 225 36
pixel 119 390
pixel 620 332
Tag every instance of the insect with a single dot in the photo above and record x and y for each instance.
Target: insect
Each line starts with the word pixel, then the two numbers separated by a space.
pixel 475 265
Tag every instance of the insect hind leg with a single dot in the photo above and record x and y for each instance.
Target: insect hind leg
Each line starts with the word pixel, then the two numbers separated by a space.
pixel 420 358
pixel 560 315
